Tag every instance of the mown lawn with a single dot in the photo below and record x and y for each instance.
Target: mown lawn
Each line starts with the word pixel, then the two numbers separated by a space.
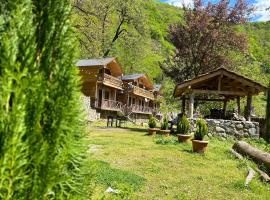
pixel 146 167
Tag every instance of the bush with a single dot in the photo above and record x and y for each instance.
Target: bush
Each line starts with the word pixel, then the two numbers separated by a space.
pixel 183 125
pixel 165 124
pixel 41 131
pixel 201 129
pixel 152 122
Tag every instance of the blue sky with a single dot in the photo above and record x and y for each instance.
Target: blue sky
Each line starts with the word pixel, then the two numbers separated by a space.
pixel 261 14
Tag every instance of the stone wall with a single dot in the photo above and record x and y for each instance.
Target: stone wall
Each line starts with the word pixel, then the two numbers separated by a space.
pixel 91 114
pixel 229 128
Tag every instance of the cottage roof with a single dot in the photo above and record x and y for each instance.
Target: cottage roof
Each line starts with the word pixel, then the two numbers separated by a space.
pixel 141 77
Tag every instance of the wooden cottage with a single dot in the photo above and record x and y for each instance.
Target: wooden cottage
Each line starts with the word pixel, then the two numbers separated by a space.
pixel 138 96
pixel 101 83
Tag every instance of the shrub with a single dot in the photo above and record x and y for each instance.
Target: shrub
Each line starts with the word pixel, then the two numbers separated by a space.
pixel 183 125
pixel 41 132
pixel 165 124
pixel 201 129
pixel 152 122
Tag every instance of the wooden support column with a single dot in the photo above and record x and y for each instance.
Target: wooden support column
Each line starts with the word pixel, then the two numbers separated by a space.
pixel 248 108
pixel 191 105
pixel 183 104
pixel 225 107
pixel 238 106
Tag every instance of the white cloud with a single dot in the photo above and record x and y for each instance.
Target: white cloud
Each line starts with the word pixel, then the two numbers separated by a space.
pixel 261 13
pixel 180 3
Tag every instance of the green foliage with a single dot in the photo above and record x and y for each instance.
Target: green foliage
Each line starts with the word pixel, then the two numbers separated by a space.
pixel 165 124
pixel 152 122
pixel 166 140
pixel 201 129
pixel 267 135
pixel 183 125
pixel 104 174
pixel 41 149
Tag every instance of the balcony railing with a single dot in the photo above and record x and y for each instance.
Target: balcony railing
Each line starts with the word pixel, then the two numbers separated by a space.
pixel 140 109
pixel 109 80
pixel 142 92
pixel 106 104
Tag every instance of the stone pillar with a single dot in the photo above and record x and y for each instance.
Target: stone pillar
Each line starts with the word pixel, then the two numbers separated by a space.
pixel 248 108
pixel 191 105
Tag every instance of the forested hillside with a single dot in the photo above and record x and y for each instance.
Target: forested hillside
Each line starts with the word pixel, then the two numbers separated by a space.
pixel 136 33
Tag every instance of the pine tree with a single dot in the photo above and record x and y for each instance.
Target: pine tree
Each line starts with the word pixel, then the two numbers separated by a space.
pixel 40 126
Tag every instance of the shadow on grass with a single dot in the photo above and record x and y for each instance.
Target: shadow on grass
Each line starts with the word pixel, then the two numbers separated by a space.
pixel 105 175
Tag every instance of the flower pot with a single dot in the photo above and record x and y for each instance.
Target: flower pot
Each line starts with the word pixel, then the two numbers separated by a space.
pixel 199 146
pixel 152 131
pixel 165 132
pixel 183 137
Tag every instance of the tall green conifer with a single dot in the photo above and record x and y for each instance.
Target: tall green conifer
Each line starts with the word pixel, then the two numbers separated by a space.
pixel 40 127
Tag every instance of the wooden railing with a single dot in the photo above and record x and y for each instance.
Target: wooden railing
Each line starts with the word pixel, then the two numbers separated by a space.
pixel 106 104
pixel 140 109
pixel 142 92
pixel 110 80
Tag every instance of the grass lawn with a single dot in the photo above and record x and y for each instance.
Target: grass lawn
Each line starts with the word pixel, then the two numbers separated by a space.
pixel 148 167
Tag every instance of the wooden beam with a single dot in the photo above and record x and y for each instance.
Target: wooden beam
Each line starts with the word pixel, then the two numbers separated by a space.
pixel 183 104
pixel 191 105
pixel 219 82
pixel 238 106
pixel 235 93
pixel 248 108
pixel 244 81
pixel 199 79
pixel 225 107
pixel 201 99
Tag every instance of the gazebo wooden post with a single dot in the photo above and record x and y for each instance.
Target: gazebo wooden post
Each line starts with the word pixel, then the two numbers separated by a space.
pixel 238 106
pixel 183 104
pixel 225 106
pixel 248 108
pixel 191 105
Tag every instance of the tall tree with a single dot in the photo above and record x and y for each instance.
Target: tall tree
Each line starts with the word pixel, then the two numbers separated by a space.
pixel 40 126
pixel 206 38
pixel 101 23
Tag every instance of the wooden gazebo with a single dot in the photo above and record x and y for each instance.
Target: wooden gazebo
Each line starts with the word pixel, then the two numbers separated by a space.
pixel 224 84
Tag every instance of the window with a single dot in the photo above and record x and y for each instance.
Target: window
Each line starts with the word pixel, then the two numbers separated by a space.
pixel 129 101
pixel 107 95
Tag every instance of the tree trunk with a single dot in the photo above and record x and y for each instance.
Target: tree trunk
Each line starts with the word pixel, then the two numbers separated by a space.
pixel 257 155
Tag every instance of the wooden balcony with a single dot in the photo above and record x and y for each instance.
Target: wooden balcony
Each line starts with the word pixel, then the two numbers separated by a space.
pixel 142 92
pixel 112 105
pixel 140 109
pixel 110 81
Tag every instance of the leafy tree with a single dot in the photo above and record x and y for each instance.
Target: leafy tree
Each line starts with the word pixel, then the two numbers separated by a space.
pixel 40 128
pixel 205 38
pixel 105 22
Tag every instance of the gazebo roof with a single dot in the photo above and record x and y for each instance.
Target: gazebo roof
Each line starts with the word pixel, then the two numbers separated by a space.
pixel 221 82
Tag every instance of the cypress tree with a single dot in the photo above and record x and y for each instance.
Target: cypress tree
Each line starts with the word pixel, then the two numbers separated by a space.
pixel 40 128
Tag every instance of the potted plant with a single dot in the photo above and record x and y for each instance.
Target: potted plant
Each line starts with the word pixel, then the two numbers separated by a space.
pixel 152 126
pixel 183 127
pixel 198 144
pixel 165 127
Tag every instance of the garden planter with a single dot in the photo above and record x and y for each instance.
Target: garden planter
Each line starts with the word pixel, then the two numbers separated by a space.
pixel 165 132
pixel 183 137
pixel 152 131
pixel 199 146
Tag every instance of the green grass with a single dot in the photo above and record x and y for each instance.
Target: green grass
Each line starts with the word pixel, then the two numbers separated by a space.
pixel 145 167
